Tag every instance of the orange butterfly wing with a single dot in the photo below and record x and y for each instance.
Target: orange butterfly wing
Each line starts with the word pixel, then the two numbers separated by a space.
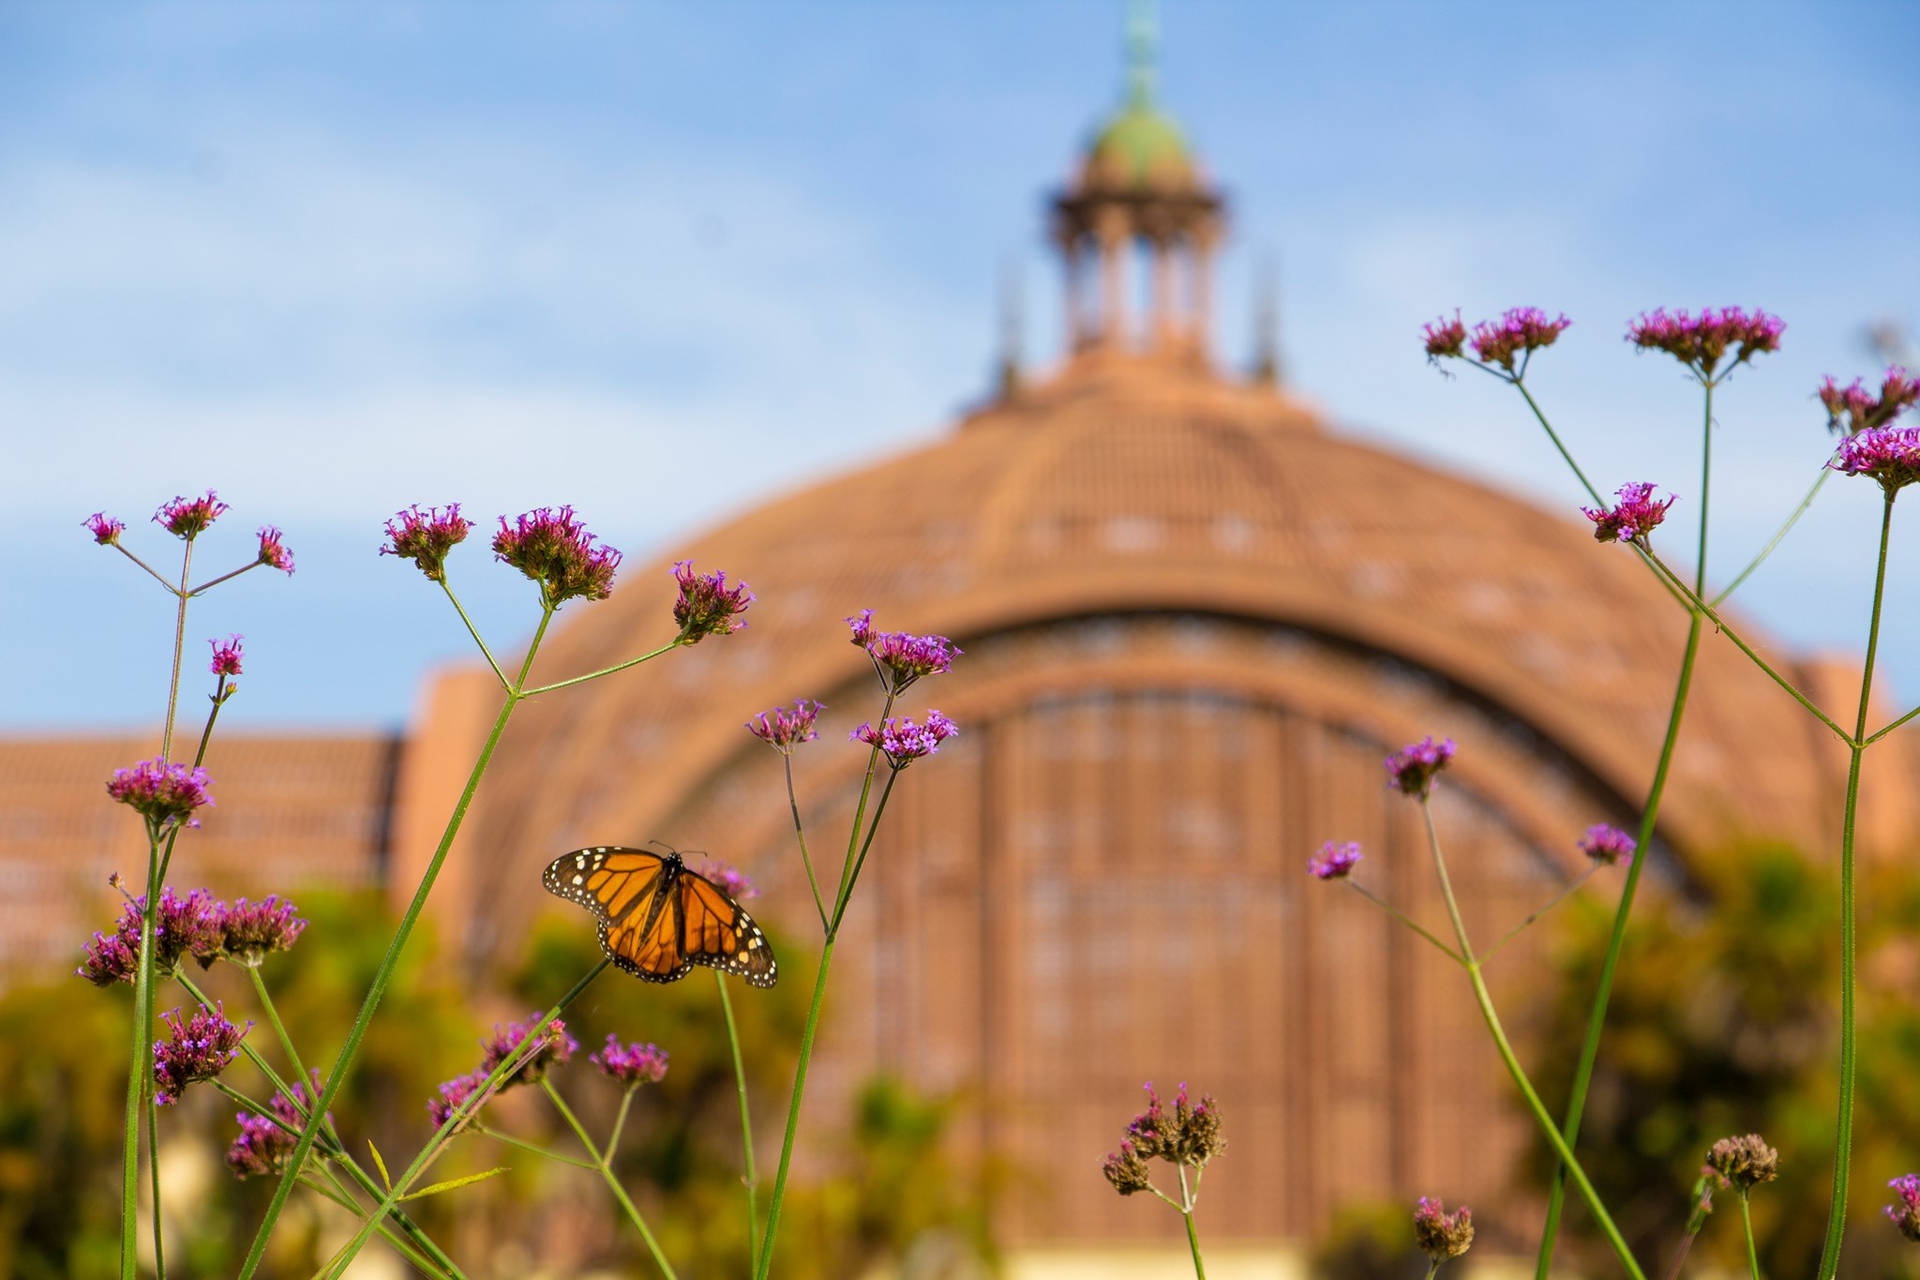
pixel 718 933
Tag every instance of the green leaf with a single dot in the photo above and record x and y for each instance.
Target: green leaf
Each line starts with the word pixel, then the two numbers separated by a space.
pixel 450 1184
pixel 380 1164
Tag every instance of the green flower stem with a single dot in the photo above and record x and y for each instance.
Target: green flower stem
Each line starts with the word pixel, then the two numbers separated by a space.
pixel 765 1261
pixel 1849 958
pixel 1778 536
pixel 1706 487
pixel 602 1163
pixel 1746 1224
pixel 1720 624
pixel 153 1177
pixel 668 647
pixel 338 1195
pixel 457 1119
pixel 1565 455
pixel 620 1119
pixel 279 1028
pixel 390 961
pixel 1609 965
pixel 1193 1237
pixel 211 583
pixel 533 1148
pixel 751 1179
pixel 473 631
pixel 1571 888
pixel 179 640
pixel 1403 918
pixel 1879 734
pixel 846 891
pixel 800 834
pixel 158 577
pixel 1514 1069
pixel 139 1072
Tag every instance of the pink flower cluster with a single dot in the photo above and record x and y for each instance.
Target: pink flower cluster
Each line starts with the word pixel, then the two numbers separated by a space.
pixel 902 741
pixel 266 1141
pixel 196 1048
pixel 1445 337
pixel 1607 844
pixel 1891 455
pixel 1634 514
pixel 453 1095
pixel 1905 1210
pixel 251 931
pixel 273 552
pixel 425 537
pixel 226 657
pixel 553 1049
pixel 900 658
pixel 784 728
pixel 197 925
pixel 707 605
pixel 1441 1235
pixel 553 548
pixel 1411 768
pixel 188 517
pixel 1701 342
pixel 1336 861
pixel 735 882
pixel 1520 331
pixel 106 530
pixel 1853 409
pixel 164 793
pixel 631 1065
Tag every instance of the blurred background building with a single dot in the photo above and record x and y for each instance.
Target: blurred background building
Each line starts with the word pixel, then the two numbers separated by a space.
pixel 1196 615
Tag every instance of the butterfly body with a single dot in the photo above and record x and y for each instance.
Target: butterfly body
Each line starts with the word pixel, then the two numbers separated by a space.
pixel 658 918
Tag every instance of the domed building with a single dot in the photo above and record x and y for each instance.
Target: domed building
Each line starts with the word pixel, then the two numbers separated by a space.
pixel 1196 616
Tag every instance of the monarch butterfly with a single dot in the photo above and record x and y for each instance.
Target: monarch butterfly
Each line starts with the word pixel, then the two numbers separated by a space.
pixel 657 918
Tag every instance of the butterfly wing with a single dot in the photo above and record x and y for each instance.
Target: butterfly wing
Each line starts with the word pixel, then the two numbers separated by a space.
pixel 630 892
pixel 717 932
pixel 649 949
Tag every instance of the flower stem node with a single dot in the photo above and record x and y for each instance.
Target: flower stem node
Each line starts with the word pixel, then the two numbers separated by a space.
pixel 425 537
pixel 553 548
pixel 1336 860
pixel 707 605
pixel 1442 1235
pixel 1634 514
pixel 1745 1161
pixel 1411 769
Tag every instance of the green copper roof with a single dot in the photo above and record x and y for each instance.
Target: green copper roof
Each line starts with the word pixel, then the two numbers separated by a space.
pixel 1139 143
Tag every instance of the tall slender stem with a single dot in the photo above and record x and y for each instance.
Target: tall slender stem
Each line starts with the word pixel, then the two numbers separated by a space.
pixel 1572 887
pixel 800 834
pixel 1565 455
pixel 1193 1237
pixel 752 1179
pixel 472 630
pixel 595 675
pixel 1779 535
pixel 1706 490
pixel 153 1178
pixel 1403 918
pixel 211 583
pixel 793 1113
pixel 179 641
pixel 853 878
pixel 1746 1224
pixel 601 1162
pixel 1849 959
pixel 1492 1018
pixel 1603 989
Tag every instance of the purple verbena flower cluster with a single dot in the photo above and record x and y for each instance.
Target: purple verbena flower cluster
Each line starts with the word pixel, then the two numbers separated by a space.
pixel 553 1049
pixel 197 1048
pixel 105 529
pixel 1701 342
pixel 164 793
pixel 1891 455
pixel 1634 514
pixel 631 1065
pixel 1336 861
pixel 732 880
pixel 1520 331
pixel 1853 409
pixel 1441 1235
pixel 707 606
pixel 273 552
pixel 425 537
pixel 453 1095
pixel 784 728
pixel 197 925
pixel 553 548
pixel 900 658
pixel 1607 844
pixel 1445 337
pixel 902 741
pixel 1905 1209
pixel 1187 1133
pixel 189 517
pixel 265 1141
pixel 1411 768
pixel 251 931
pixel 226 657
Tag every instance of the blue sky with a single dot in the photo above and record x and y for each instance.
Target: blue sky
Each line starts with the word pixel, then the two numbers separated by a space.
pixel 662 261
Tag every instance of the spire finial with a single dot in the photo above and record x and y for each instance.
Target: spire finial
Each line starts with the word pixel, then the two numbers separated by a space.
pixel 1266 325
pixel 1142 42
pixel 1012 326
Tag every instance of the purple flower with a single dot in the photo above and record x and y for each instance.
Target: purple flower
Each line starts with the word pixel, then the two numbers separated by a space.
pixel 1634 514
pixel 631 1065
pixel 735 882
pixel 453 1095
pixel 1188 1133
pixel 196 1048
pixel 707 605
pixel 226 657
pixel 1445 337
pixel 111 957
pixel 1335 861
pixel 1411 768
pixel 1905 1210
pixel 1126 1170
pixel 1701 342
pixel 184 926
pixel 784 728
pixel 900 658
pixel 189 517
pixel 553 1048
pixel 273 552
pixel 425 537
pixel 902 741
pixel 251 931
pixel 1442 1235
pixel 165 794
pixel 1854 409
pixel 1891 455
pixel 555 550
pixel 1521 331
pixel 106 530
pixel 266 1141
pixel 1607 844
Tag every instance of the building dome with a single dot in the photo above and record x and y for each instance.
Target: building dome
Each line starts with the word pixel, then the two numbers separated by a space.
pixel 1138 150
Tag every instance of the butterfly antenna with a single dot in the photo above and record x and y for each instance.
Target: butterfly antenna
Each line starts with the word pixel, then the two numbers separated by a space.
pixel 664 845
